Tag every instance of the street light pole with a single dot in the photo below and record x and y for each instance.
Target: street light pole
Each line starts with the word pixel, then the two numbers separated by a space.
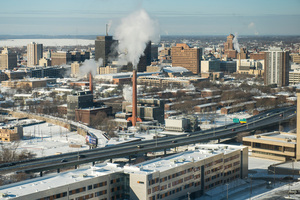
pixel 227 190
pixel 250 186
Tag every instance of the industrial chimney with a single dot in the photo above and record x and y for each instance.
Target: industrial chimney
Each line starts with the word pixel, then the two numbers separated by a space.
pixel 91 82
pixel 239 61
pixel 106 29
pixel 134 99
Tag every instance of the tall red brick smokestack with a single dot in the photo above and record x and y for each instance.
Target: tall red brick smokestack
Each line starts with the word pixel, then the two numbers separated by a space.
pixel 91 82
pixel 134 99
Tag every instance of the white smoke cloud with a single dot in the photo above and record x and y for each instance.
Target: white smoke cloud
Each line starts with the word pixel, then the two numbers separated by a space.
pixel 90 66
pixel 134 32
pixel 236 44
pixel 127 93
pixel 251 25
pixel 109 25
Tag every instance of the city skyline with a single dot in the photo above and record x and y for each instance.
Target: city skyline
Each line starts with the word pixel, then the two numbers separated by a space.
pixel 175 17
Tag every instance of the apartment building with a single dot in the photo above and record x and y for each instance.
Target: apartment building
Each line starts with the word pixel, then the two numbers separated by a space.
pixel 193 171
pixel 276 67
pixel 34 54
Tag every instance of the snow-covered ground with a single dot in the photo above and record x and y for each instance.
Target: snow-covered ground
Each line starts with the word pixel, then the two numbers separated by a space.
pixel 219 119
pixel 46 42
pixel 48 139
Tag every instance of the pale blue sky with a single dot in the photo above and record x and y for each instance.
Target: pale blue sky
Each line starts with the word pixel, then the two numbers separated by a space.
pixel 176 17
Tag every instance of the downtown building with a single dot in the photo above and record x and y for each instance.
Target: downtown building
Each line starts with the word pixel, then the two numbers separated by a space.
pixel 229 50
pixel 187 57
pixel 8 59
pixel 172 178
pixel 34 54
pixel 276 67
pixel 105 47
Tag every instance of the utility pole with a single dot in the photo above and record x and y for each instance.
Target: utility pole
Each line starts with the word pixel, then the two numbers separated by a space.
pixel 227 191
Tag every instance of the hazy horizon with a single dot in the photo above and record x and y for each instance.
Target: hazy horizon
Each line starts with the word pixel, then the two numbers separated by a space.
pixel 176 17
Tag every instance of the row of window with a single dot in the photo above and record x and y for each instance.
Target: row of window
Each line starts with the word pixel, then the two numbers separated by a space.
pixel 228 166
pixel 101 184
pixel 231 158
pixel 118 188
pixel 217 168
pixel 78 190
pixel 231 172
pixel 213 163
pixel 156 180
pixel 64 194
pixel 213 177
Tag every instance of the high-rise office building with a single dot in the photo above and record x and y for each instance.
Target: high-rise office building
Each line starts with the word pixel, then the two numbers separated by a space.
pixel 8 60
pixel 187 57
pixel 105 48
pixel 145 60
pixel 276 67
pixel 34 53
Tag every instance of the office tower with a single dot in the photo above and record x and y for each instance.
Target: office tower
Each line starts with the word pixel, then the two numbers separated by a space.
pixel 8 60
pixel 210 65
pixel 145 60
pixel 60 58
pixel 105 48
pixel 154 52
pixel 34 53
pixel 187 57
pixel 228 47
pixel 276 67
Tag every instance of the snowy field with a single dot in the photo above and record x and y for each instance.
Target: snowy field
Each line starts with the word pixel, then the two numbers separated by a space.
pixel 46 42
pixel 48 139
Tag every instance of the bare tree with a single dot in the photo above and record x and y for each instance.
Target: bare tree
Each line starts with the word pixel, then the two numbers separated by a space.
pixel 10 154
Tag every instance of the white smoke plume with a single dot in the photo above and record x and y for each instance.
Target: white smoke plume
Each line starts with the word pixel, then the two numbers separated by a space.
pixel 109 25
pixel 236 44
pixel 134 32
pixel 90 66
pixel 127 93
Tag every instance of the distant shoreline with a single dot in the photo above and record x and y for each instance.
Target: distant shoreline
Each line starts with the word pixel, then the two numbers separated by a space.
pixel 46 42
pixel 93 37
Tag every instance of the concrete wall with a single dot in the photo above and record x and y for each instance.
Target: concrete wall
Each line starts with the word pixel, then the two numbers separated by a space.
pixel 55 121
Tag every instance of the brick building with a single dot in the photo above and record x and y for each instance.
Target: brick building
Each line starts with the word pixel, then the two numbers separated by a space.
pixel 187 57
pixel 229 50
pixel 88 115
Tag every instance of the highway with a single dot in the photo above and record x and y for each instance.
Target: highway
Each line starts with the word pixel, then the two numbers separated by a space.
pixel 56 162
